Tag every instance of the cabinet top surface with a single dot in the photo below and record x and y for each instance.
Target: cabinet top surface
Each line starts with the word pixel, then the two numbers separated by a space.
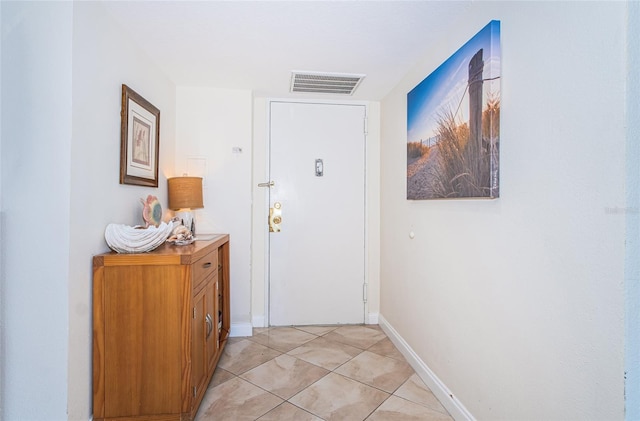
pixel 165 254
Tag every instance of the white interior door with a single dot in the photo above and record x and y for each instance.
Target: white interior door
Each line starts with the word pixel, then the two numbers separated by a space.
pixel 316 261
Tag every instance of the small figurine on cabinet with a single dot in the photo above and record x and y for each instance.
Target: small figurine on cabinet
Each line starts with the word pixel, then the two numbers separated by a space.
pixel 151 211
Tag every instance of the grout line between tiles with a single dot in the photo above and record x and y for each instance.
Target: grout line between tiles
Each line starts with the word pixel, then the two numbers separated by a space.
pixel 315 336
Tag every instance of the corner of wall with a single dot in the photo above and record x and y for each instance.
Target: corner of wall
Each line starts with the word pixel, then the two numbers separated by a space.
pixel 437 386
pixel 373 210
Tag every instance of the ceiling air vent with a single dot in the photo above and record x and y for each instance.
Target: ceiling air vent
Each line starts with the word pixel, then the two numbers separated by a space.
pixel 325 83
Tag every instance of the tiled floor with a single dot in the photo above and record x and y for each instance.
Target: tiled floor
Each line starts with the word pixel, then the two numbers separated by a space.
pixel 317 373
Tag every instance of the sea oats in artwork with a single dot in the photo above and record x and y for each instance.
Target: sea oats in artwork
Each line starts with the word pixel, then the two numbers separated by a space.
pixel 453 124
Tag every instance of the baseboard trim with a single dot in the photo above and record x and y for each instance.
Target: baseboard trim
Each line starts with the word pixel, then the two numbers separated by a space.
pixel 241 329
pixel 439 389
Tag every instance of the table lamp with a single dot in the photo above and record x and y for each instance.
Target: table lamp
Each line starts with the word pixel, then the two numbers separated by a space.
pixel 185 194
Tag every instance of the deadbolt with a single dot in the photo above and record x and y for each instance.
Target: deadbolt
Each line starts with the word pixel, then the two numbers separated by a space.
pixel 275 217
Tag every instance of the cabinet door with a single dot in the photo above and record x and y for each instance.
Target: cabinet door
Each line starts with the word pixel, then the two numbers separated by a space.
pixel 143 338
pixel 212 338
pixel 199 360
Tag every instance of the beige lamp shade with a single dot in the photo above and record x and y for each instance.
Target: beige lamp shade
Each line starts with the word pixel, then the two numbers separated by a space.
pixel 185 193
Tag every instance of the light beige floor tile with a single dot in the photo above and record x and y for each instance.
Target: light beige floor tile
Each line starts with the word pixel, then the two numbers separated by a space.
pixel 317 330
pixel 399 409
pixel 286 412
pixel 359 336
pixel 220 376
pixel 416 391
pixel 259 330
pixel 375 370
pixel 335 397
pixel 237 400
pixel 244 355
pixel 387 348
pixel 324 353
pixel 283 339
pixel 371 360
pixel 235 339
pixel 284 375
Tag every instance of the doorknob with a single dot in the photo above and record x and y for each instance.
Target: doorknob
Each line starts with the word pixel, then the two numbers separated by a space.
pixel 267 184
pixel 275 217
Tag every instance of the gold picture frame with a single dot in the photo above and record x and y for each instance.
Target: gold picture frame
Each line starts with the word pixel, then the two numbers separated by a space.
pixel 139 140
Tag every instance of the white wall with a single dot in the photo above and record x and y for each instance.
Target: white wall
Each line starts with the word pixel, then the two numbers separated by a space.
pixel 260 211
pixel 372 223
pixel 632 267
pixel 103 59
pixel 517 304
pixel 209 124
pixel 62 67
pixel 2 274
pixel 36 146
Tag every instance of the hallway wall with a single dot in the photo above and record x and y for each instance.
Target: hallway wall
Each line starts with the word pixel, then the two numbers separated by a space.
pixel 63 65
pixel 210 124
pixel 517 304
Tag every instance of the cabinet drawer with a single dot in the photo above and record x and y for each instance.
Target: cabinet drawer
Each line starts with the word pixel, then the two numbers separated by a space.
pixel 205 267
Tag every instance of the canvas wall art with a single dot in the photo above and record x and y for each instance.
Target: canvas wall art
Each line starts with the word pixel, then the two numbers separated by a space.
pixel 453 124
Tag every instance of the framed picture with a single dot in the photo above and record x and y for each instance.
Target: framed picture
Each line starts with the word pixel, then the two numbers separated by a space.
pixel 139 140
pixel 453 124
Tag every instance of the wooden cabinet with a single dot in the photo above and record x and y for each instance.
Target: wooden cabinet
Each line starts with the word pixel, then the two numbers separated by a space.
pixel 160 322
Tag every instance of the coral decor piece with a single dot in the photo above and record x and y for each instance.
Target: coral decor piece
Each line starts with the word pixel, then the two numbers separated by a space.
pixel 151 211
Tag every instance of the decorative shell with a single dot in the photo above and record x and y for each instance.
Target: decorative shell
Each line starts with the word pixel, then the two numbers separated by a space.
pixel 126 239
pixel 151 211
pixel 181 236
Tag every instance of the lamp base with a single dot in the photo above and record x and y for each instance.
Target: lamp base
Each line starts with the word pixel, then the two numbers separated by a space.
pixel 188 220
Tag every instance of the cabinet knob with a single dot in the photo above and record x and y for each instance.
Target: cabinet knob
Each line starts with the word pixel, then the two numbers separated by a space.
pixel 206 265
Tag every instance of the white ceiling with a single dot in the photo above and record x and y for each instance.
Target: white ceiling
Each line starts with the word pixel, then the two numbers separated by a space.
pixel 256 44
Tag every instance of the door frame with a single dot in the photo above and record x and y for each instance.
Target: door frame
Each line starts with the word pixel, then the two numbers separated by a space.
pixel 265 225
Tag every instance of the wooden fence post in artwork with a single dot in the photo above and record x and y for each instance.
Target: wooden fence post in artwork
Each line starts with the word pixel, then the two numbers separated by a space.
pixel 476 64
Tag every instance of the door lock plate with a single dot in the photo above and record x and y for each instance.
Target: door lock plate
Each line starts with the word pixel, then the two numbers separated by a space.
pixel 275 217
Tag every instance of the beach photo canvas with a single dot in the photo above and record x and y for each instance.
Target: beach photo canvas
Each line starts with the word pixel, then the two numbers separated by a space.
pixel 453 124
